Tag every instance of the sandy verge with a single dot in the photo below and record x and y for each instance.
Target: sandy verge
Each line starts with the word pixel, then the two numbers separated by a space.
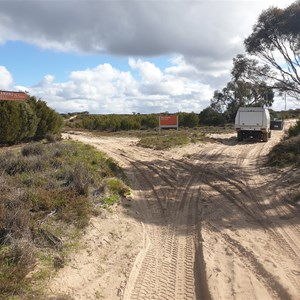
pixel 100 268
pixel 206 221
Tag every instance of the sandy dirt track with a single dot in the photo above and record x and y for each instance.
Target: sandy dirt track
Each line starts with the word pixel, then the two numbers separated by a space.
pixel 204 222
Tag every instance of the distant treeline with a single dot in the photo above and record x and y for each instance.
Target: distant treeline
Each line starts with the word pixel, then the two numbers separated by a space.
pixel 207 117
pixel 289 114
pixel 29 120
pixel 131 122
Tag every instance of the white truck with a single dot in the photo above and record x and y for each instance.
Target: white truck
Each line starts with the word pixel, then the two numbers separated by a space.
pixel 253 122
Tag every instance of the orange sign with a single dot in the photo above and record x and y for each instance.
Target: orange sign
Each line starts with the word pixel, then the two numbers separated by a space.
pixel 13 96
pixel 168 120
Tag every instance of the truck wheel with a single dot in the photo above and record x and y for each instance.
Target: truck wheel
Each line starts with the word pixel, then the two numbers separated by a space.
pixel 239 136
pixel 265 136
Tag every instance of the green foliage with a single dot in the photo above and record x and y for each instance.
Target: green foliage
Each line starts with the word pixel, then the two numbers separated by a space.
pixel 163 142
pixel 245 89
pixel 275 39
pixel 250 79
pixel 111 199
pixel 117 186
pixel 294 130
pixel 170 138
pixel 189 120
pixel 16 260
pixel 14 122
pixel 286 153
pixel 128 122
pixel 110 122
pixel 48 120
pixel 149 121
pixel 211 117
pixel 28 120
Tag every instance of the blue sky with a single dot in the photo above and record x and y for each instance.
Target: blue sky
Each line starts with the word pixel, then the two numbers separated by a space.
pixel 123 56
pixel 30 63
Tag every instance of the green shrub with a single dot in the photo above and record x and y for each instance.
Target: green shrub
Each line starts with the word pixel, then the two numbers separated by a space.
pixel 164 140
pixel 294 130
pixel 190 120
pixel 286 153
pixel 33 149
pixel 111 199
pixel 16 261
pixel 80 179
pixel 18 165
pixel 210 117
pixel 48 120
pixel 117 186
pixel 24 121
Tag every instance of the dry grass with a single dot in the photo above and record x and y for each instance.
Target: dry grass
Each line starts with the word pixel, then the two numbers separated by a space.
pixel 171 138
pixel 44 188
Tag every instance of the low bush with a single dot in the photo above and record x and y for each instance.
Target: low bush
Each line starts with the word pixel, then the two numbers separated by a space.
pixel 16 261
pixel 110 200
pixel 170 138
pixel 27 121
pixel 33 149
pixel 294 130
pixel 117 186
pixel 286 153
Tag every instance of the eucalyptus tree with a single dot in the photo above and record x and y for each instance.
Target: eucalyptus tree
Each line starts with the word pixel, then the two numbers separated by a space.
pixel 275 40
pixel 241 92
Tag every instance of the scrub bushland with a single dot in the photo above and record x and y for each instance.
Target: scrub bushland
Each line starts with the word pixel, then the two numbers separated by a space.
pixel 287 152
pixel 48 193
pixel 167 139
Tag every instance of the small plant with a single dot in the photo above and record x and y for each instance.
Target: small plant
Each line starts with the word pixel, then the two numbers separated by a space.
pixel 52 138
pixel 16 260
pixel 111 200
pixel 80 179
pixel 33 149
pixel 117 186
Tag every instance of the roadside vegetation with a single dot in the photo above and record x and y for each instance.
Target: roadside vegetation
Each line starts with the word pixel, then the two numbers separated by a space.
pixel 167 139
pixel 287 152
pixel 193 128
pixel 48 193
pixel 116 123
pixel 27 121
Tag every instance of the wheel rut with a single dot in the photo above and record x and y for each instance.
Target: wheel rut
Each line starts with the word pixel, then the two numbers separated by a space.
pixel 208 220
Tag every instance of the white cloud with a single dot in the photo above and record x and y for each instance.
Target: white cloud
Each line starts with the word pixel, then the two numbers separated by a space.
pixel 213 29
pixel 6 79
pixel 204 36
pixel 105 89
pixel 148 71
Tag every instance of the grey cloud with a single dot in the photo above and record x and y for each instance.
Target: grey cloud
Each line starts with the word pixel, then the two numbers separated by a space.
pixel 207 34
pixel 143 28
pixel 154 89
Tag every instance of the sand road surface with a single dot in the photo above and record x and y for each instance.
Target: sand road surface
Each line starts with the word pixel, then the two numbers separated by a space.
pixel 206 221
